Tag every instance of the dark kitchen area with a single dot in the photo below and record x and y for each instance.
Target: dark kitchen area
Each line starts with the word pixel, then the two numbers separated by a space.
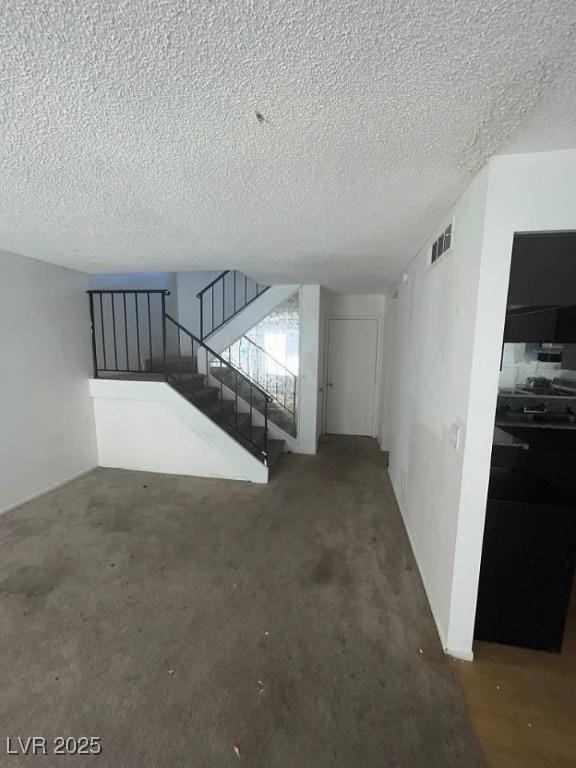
pixel 529 552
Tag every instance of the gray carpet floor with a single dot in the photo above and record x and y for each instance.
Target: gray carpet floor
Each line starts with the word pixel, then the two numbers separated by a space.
pixel 178 618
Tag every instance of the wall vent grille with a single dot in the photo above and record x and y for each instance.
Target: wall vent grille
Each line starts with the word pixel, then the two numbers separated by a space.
pixel 442 244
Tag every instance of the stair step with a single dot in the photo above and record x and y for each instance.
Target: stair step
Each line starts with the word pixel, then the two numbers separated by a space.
pixel 275 450
pixel 223 412
pixel 276 413
pixel 219 409
pixel 255 435
pixel 191 382
pixel 203 395
pixel 173 364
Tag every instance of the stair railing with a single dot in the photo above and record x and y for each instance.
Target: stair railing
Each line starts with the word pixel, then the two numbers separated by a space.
pixel 224 297
pixel 133 334
pixel 258 365
pixel 188 347
pixel 127 329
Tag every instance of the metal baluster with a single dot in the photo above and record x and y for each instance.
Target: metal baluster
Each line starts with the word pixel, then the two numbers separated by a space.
pixel 245 290
pixel 236 401
pixel 103 333
pixel 126 332
pixel 223 297
pixel 202 316
pixel 266 429
pixel 150 332
pixel 212 294
pixel 221 377
pixel 250 433
pixel 137 330
pixel 93 335
pixel 163 305
pixel 235 276
pixel 114 330
pixel 178 335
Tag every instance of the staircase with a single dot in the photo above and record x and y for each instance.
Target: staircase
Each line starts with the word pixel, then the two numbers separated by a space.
pixel 219 402
pixel 133 337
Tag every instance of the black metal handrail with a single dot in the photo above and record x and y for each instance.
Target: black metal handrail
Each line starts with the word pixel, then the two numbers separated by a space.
pixel 130 336
pixel 177 375
pixel 126 328
pixel 242 291
pixel 264 378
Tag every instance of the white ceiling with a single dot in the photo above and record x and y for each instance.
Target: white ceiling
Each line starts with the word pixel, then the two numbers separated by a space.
pixel 129 139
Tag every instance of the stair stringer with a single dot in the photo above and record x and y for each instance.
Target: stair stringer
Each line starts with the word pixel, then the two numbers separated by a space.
pixel 247 318
pixel 127 440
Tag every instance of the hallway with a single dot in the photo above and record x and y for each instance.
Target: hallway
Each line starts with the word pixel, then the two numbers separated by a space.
pixel 177 618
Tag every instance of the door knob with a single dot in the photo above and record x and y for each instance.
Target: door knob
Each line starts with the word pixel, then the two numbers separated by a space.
pixel 329 383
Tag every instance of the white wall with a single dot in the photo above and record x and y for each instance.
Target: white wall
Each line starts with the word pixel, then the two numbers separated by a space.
pixel 46 421
pixel 188 285
pixel 526 193
pixel 310 335
pixel 336 305
pixel 228 294
pixel 139 281
pixel 389 365
pixel 435 326
pixel 148 426
pixel 450 322
pixel 116 350
pixel 324 303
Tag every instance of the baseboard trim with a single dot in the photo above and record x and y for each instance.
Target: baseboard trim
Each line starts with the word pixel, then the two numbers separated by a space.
pixel 50 488
pixel 462 655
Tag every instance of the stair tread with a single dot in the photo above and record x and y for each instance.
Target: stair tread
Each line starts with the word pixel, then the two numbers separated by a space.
pixel 275 451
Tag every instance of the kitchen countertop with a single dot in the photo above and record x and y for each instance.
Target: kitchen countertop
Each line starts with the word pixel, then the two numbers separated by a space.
pixel 502 424
pixel 503 438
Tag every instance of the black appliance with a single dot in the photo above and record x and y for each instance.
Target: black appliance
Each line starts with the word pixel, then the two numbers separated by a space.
pixel 528 560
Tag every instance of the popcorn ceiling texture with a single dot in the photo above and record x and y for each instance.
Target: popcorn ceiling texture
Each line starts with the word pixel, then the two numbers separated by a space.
pixel 129 136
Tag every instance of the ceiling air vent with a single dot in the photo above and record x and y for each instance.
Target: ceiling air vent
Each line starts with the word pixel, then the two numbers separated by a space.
pixel 442 244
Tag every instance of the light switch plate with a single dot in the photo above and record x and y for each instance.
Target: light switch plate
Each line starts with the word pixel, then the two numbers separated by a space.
pixel 455 432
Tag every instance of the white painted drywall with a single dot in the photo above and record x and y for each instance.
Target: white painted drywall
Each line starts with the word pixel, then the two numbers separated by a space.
pixel 148 340
pixel 526 193
pixel 148 426
pixel 359 305
pixel 310 335
pixel 324 303
pixel 450 320
pixel 46 421
pixel 188 285
pixel 389 364
pixel 138 281
pixel 246 319
pixel 436 321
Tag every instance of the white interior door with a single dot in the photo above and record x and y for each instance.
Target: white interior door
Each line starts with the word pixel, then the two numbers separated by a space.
pixel 351 376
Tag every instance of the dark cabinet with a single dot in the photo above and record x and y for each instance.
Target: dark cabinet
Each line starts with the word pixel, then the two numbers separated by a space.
pixel 548 325
pixel 528 559
pixel 543 269
pixel 566 325
pixel 531 326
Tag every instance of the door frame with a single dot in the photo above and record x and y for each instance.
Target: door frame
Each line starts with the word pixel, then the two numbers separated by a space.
pixel 378 383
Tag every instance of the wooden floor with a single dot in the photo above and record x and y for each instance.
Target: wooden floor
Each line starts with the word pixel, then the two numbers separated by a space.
pixel 523 703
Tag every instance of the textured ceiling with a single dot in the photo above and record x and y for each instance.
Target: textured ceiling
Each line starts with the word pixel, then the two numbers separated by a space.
pixel 130 141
